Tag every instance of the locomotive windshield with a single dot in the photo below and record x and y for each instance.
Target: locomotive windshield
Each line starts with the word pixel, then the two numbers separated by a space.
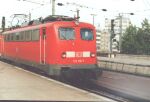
pixel 86 34
pixel 66 34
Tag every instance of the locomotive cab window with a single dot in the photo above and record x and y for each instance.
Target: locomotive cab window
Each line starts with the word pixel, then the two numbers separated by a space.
pixel 66 33
pixel 86 34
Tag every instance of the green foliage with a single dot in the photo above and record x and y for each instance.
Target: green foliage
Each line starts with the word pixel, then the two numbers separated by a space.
pixel 137 40
pixel 129 40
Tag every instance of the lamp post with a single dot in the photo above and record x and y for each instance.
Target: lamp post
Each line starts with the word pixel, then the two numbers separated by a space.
pixel 53 7
pixel 93 15
pixel 120 27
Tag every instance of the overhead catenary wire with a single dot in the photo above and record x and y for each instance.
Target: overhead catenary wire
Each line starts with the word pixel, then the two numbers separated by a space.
pixel 84 6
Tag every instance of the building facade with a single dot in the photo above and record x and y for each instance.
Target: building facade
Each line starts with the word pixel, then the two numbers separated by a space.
pixel 102 42
pixel 120 24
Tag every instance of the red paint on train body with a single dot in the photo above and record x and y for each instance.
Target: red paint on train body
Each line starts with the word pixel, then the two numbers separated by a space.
pixel 1 44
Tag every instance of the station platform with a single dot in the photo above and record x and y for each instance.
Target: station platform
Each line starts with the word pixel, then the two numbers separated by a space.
pixel 19 84
pixel 125 64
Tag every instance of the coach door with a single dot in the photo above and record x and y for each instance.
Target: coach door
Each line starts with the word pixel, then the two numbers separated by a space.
pixel 43 46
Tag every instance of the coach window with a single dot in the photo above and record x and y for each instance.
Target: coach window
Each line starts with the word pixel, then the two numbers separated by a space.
pixel 14 37
pixel 66 33
pixel 8 37
pixel 35 35
pixel 22 36
pixel 17 36
pixel 5 37
pixel 86 34
pixel 20 33
pixel 28 35
pixel 11 37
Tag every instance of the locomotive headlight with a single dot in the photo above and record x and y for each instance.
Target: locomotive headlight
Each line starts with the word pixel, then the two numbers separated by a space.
pixel 63 55
pixel 92 54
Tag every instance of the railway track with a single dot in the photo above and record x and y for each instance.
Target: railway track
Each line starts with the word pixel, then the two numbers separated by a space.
pixel 113 94
pixel 94 88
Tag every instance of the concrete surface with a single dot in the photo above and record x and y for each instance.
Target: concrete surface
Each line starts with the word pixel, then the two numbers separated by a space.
pixel 139 66
pixel 17 84
pixel 126 60
pixel 135 57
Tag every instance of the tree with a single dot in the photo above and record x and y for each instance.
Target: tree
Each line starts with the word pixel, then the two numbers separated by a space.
pixel 143 38
pixel 129 44
pixel 137 41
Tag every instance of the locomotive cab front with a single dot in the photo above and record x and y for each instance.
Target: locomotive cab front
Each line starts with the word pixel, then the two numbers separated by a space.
pixel 76 50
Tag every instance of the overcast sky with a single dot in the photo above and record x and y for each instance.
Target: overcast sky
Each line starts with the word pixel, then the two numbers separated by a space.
pixel 141 9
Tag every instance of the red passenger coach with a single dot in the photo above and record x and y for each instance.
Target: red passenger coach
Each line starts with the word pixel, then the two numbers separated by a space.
pixel 58 46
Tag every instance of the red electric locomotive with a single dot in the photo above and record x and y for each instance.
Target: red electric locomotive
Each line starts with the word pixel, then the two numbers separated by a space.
pixel 1 43
pixel 58 45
